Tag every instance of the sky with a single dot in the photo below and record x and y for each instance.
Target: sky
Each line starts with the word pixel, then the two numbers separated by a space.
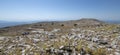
pixel 57 10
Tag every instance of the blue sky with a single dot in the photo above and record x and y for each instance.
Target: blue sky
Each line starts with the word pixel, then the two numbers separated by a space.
pixel 43 10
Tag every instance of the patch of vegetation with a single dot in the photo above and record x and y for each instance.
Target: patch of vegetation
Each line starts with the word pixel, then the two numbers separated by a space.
pixel 100 51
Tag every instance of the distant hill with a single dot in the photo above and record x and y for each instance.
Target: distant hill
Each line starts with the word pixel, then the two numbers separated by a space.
pixel 64 25
pixel 83 21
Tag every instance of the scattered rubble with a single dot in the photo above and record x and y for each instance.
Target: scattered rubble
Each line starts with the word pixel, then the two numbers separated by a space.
pixel 76 42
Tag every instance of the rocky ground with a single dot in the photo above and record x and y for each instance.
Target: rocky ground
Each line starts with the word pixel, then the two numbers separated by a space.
pixel 96 40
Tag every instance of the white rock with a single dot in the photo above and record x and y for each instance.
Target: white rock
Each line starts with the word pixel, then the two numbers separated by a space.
pixel 2 38
pixel 116 53
pixel 23 52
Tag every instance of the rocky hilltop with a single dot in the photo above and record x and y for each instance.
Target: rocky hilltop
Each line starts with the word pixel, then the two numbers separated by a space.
pixel 75 37
pixel 82 23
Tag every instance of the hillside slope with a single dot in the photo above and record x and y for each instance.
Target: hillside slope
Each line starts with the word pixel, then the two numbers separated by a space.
pixel 63 25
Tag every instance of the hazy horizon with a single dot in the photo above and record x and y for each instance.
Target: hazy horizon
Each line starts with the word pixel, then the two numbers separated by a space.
pixel 58 10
